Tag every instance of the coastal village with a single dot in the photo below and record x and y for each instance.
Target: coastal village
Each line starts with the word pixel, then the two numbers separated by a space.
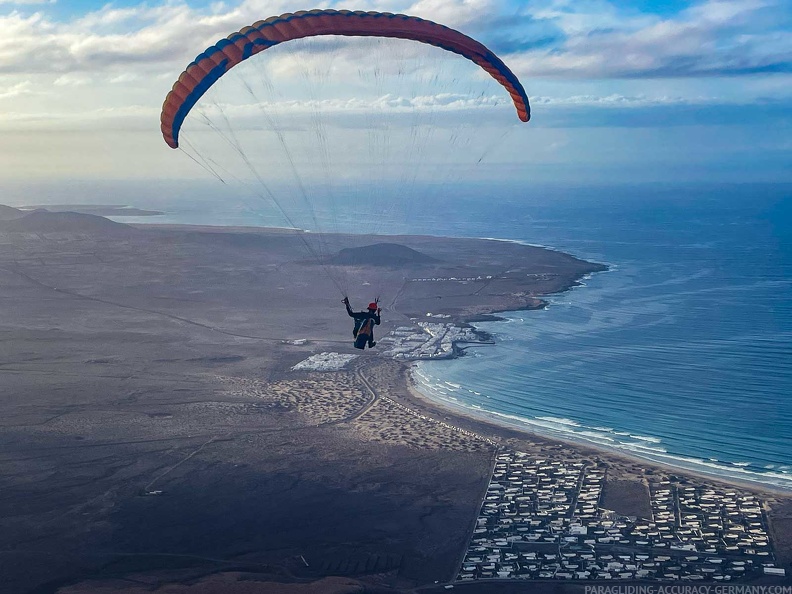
pixel 542 519
pixel 428 340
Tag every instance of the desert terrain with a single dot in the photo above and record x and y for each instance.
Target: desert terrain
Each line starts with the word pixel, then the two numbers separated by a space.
pixel 157 437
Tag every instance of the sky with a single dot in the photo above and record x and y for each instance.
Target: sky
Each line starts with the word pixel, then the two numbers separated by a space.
pixel 627 91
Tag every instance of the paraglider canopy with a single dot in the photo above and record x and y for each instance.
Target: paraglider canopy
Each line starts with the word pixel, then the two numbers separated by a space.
pixel 347 132
pixel 209 66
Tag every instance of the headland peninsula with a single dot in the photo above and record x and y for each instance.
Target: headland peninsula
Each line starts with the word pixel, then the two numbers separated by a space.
pixel 183 411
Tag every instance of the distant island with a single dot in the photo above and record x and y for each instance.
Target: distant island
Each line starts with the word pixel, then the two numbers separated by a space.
pixel 105 210
pixel 45 221
pixel 183 408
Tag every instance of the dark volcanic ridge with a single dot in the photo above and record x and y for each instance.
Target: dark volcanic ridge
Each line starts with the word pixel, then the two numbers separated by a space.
pixel 42 221
pixel 380 254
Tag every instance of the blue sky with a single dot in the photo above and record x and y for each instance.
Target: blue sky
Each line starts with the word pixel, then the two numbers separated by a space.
pixel 631 91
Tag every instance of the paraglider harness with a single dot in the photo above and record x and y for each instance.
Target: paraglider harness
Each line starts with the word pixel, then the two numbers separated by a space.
pixel 364 323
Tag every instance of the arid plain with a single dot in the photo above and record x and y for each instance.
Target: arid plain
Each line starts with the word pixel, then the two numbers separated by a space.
pixel 156 438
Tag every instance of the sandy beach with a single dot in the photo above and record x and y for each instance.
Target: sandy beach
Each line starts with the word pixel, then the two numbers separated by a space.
pixel 160 432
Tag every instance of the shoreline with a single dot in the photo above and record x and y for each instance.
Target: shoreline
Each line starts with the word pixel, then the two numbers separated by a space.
pixel 459 348
pixel 491 421
pixel 162 422
pixel 492 417
pixel 468 320
pixel 624 472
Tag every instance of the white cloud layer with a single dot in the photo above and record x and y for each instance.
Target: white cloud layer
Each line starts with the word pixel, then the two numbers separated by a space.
pixel 589 39
pixel 108 70
pixel 712 38
pixel 22 88
pixel 26 2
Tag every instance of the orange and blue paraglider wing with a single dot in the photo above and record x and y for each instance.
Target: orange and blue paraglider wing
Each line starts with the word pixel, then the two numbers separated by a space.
pixel 212 64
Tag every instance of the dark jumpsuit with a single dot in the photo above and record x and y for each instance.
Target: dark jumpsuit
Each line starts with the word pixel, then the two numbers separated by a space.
pixel 360 318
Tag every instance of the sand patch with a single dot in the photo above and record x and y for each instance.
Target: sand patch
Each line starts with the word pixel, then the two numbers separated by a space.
pixel 390 422
pixel 321 397
pixel 324 362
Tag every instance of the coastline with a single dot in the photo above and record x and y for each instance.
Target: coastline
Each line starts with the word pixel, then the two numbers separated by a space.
pixel 492 417
pixel 224 416
pixel 192 419
pixel 628 476
pixel 523 426
pixel 562 283
pixel 488 421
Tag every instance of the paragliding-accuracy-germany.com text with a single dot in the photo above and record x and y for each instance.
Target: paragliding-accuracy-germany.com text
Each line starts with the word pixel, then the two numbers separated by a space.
pixel 719 589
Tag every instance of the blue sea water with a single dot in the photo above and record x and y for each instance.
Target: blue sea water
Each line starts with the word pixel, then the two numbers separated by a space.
pixel 681 353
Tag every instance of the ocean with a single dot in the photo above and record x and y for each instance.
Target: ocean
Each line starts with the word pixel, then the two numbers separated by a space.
pixel 680 353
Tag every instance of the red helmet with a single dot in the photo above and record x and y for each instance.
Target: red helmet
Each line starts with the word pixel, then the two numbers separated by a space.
pixel 372 305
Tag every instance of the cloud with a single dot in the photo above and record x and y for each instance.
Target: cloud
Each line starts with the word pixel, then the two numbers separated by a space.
pixel 133 116
pixel 126 77
pixel 22 88
pixel 658 115
pixel 712 38
pixel 157 36
pixel 384 103
pixel 217 111
pixel 552 38
pixel 104 40
pixel 109 59
pixel 72 80
pixel 618 100
pixel 26 2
